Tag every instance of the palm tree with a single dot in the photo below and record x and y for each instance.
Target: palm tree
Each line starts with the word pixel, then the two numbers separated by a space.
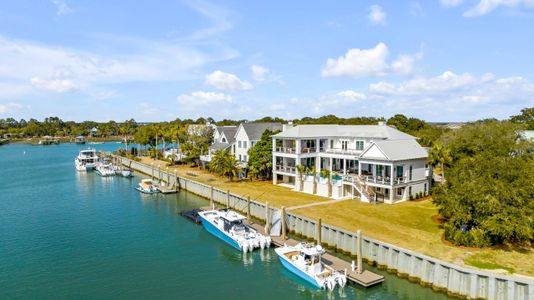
pixel 312 172
pixel 325 173
pixel 224 164
pixel 439 155
pixel 301 170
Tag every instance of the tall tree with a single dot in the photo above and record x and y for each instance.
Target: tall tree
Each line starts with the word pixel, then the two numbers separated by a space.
pixel 260 161
pixel 224 164
pixel 441 156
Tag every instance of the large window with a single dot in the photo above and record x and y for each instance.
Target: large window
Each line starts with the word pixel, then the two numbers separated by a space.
pixel 331 144
pixel 411 172
pixel 245 144
pixel 344 145
pixel 238 144
pixel 400 171
pixel 359 145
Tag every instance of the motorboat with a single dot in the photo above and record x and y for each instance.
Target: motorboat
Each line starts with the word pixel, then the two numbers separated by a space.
pixel 105 170
pixel 147 186
pixel 305 261
pixel 229 226
pixel 86 160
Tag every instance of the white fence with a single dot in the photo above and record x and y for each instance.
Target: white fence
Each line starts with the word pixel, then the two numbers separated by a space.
pixel 430 271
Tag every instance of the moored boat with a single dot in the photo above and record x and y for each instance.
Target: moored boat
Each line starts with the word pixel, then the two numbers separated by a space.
pixel 105 170
pixel 147 186
pixel 86 160
pixel 304 260
pixel 229 226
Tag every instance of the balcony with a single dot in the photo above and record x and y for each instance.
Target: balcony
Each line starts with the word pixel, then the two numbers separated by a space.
pixel 285 150
pixel 286 169
pixel 343 151
pixel 384 179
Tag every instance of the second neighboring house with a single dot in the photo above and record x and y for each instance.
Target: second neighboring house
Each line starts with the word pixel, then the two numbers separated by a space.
pixel 247 135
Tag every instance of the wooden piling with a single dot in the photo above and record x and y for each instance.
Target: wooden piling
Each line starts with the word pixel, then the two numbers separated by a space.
pixel 248 208
pixel 318 237
pixel 359 268
pixel 267 221
pixel 212 205
pixel 283 220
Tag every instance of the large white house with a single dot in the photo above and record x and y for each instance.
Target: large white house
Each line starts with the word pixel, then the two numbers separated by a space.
pixel 375 163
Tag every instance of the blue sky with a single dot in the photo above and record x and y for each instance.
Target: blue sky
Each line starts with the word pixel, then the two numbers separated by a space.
pixel 442 60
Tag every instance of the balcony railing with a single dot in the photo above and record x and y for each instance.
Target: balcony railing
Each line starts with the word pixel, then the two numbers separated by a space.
pixel 285 150
pixel 286 169
pixel 343 151
pixel 384 179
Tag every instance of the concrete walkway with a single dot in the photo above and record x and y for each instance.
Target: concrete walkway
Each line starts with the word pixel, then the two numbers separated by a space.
pixel 315 204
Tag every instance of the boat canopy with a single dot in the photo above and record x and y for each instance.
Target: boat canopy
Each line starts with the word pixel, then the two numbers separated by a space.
pixel 232 216
pixel 312 250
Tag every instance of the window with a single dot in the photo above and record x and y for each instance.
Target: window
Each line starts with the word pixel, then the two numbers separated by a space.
pixel 410 176
pixel 425 189
pixel 399 191
pixel 252 143
pixel 344 145
pixel 359 145
pixel 240 157
pixel 238 144
pixel 400 171
pixel 244 158
pixel 410 191
pixel 245 144
pixel 223 140
pixel 331 144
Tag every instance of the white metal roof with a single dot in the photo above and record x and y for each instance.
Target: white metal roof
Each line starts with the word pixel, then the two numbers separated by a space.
pixel 396 150
pixel 350 131
pixel 232 216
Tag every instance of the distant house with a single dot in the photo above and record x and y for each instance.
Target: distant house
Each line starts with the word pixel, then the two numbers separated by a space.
pixel 527 135
pixel 93 132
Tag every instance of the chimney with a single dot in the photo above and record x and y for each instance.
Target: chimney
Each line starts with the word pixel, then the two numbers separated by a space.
pixel 287 126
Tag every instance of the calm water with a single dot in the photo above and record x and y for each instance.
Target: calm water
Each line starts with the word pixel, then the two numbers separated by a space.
pixel 65 234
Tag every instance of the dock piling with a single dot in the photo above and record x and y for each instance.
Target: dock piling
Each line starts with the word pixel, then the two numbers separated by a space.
pixel 359 251
pixel 248 208
pixel 283 220
pixel 318 231
pixel 267 222
pixel 212 205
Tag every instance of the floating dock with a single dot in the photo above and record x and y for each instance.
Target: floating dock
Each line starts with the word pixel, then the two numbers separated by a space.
pixel 166 190
pixel 365 278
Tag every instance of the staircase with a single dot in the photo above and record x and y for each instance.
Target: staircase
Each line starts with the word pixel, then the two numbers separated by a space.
pixel 366 193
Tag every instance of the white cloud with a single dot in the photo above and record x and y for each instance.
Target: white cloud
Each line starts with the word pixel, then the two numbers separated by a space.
pixel 451 3
pixel 486 6
pixel 368 62
pixel 259 73
pixel 204 98
pixel 446 82
pixel 376 15
pixel 227 81
pixel 9 107
pixel 55 85
pixel 62 8
pixel 351 95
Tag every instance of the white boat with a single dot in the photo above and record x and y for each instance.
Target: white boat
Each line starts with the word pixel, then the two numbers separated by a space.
pixel 147 186
pixel 125 173
pixel 105 170
pixel 229 226
pixel 304 260
pixel 86 160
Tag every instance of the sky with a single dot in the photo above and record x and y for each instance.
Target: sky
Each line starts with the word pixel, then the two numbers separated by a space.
pixel 439 60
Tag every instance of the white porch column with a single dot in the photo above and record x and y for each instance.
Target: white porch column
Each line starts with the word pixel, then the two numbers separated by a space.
pixel 359 168
pixel 391 178
pixel 330 165
pixel 317 147
pixel 297 146
pixel 391 194
pixel 274 162
pixel 344 166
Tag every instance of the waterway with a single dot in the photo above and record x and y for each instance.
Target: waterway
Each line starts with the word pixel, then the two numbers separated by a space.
pixel 73 235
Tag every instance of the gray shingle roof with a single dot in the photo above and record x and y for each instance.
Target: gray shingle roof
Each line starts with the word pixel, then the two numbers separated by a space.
pixel 229 132
pixel 361 131
pixel 218 146
pixel 255 130
pixel 401 149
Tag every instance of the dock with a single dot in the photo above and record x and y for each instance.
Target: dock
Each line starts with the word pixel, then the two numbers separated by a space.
pixel 166 189
pixel 365 278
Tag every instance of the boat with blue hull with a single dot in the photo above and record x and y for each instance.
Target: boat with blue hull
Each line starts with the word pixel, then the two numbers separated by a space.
pixel 304 260
pixel 229 226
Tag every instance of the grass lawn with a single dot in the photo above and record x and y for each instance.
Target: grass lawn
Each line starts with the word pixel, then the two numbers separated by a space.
pixel 257 190
pixel 410 225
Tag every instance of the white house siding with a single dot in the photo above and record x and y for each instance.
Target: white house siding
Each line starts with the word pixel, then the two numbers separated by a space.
pixel 240 150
